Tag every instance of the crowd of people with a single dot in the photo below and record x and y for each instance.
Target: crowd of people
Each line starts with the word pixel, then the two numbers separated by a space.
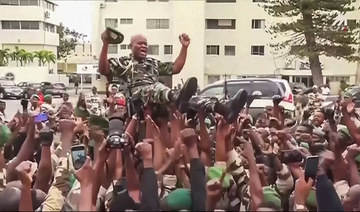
pixel 179 151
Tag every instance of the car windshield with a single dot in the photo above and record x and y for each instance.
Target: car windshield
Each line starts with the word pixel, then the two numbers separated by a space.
pixel 37 85
pixel 59 85
pixel 268 89
pixel 7 83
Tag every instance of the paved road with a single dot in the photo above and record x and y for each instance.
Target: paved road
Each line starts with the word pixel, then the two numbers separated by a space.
pixel 13 105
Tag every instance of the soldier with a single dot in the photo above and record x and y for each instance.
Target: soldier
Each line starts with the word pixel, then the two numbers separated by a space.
pixel 142 72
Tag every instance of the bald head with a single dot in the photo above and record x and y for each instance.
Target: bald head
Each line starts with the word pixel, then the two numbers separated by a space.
pixel 139 47
pixel 137 37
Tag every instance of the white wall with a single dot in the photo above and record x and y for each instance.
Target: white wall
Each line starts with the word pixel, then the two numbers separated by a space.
pixel 33 74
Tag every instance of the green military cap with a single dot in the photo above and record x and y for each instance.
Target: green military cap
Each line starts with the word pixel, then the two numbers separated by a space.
pixel 99 121
pixel 271 198
pixel 179 199
pixel 5 134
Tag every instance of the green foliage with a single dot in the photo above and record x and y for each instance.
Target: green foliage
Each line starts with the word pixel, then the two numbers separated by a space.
pixel 45 56
pixel 4 57
pixel 68 39
pixel 315 18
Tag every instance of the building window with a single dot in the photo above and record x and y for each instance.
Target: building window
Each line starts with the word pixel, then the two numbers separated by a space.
pixel 338 78
pixel 9 2
pixel 157 23
pixel 111 22
pixel 10 24
pixel 212 50
pixel 213 78
pixel 113 49
pixel 259 0
pixel 230 50
pixel 123 46
pixel 110 0
pixel 49 6
pixel 220 1
pixel 30 25
pixel 168 49
pixel 153 49
pixel 29 2
pixel 220 23
pixel 258 24
pixel 126 21
pixel 49 27
pixel 257 50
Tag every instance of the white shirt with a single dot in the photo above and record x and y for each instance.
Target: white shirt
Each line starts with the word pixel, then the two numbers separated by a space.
pixel 325 91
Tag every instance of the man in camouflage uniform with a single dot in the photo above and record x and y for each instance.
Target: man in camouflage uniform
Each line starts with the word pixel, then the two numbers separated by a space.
pixel 142 72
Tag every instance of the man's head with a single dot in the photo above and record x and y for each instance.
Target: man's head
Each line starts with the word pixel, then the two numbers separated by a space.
pixel 304 133
pixel 94 90
pixel 319 118
pixel 65 97
pixel 114 89
pixel 315 89
pixel 34 100
pixel 48 98
pixel 139 46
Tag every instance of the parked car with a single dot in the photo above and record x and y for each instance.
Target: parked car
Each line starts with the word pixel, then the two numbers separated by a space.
pixel 9 89
pixel 30 88
pixel 267 87
pixel 56 89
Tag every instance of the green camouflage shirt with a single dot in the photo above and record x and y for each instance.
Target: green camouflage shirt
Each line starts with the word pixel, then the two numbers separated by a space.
pixel 127 70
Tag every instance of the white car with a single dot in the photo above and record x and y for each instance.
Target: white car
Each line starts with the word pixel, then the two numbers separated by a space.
pixel 267 87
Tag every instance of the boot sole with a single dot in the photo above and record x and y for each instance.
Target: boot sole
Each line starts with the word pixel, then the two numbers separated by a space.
pixel 239 101
pixel 189 89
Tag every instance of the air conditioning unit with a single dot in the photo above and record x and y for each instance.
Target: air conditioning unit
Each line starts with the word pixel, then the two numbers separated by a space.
pixel 102 5
pixel 47 14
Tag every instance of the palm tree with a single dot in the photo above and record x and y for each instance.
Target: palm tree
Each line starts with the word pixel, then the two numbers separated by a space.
pixel 50 57
pixel 15 55
pixel 27 57
pixel 4 56
pixel 40 55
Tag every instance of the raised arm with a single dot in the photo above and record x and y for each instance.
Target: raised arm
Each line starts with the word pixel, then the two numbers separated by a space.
pixel 180 60
pixel 104 67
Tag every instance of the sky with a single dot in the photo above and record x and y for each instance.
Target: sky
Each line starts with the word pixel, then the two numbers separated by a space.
pixel 76 14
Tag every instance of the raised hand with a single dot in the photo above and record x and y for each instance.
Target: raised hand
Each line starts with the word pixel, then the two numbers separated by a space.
pixel 85 174
pixel 25 171
pixel 184 40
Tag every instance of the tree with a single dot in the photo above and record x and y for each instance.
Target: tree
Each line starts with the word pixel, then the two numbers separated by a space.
pixel 68 39
pixel 4 56
pixel 313 28
pixel 45 56
pixel 25 57
pixel 15 55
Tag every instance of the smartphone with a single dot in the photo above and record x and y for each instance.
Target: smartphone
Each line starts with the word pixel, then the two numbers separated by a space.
pixel 78 155
pixel 41 117
pixel 291 156
pixel 311 167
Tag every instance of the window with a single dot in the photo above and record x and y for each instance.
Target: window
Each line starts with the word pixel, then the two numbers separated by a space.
pixel 220 23
pixel 230 50
pixel 111 22
pixel 9 2
pixel 338 78
pixel 126 21
pixel 49 27
pixel 113 49
pixel 123 46
pixel 110 0
pixel 215 78
pixel 10 24
pixel 220 1
pixel 259 0
pixel 29 2
pixel 157 23
pixel 258 24
pixel 49 6
pixel 30 25
pixel 168 49
pixel 257 50
pixel 153 49
pixel 212 50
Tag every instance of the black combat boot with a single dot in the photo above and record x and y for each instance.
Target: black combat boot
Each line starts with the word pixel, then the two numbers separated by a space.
pixel 186 92
pixel 228 109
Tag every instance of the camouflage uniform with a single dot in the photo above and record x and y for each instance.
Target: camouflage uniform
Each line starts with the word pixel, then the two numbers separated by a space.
pixel 142 77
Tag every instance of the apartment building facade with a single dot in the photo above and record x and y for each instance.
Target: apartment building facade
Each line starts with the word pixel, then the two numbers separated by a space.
pixel 30 25
pixel 228 39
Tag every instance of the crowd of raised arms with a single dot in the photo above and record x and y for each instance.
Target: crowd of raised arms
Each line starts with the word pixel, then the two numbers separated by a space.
pixel 164 149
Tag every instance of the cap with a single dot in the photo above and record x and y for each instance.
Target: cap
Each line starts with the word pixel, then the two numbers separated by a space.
pixel 179 199
pixel 100 121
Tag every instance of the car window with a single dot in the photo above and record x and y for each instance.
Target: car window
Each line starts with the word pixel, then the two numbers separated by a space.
pixel 59 85
pixel 217 91
pixel 7 83
pixel 268 89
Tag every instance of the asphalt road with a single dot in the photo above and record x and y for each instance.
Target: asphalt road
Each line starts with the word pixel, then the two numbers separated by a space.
pixel 13 105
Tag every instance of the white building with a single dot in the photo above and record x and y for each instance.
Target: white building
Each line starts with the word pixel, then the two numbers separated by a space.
pixel 30 25
pixel 228 37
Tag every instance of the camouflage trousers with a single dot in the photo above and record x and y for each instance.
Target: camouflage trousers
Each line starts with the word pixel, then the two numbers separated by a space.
pixel 155 93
